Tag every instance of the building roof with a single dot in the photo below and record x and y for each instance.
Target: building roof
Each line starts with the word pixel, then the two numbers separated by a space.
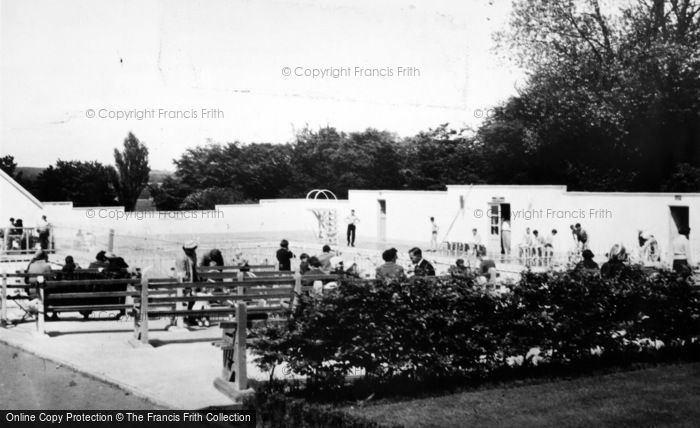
pixel 22 190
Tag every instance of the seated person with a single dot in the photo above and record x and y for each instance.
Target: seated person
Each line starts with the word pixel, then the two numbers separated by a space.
pixel 314 271
pixel 617 260
pixel 69 268
pixel 390 271
pixel 213 258
pixel 526 245
pixel 487 268
pixel 314 268
pixel 353 271
pixel 325 259
pixel 304 263
pixel 39 265
pixel 538 243
pixel 459 270
pixel 587 265
pixel 100 262
pixel 421 267
pixel 117 267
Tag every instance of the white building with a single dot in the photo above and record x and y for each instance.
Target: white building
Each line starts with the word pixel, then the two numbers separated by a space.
pixel 401 216
pixel 18 203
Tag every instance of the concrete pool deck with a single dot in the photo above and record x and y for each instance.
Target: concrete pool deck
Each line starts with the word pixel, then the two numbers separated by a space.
pixel 177 372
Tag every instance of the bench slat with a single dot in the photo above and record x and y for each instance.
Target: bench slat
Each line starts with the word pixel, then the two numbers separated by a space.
pixel 87 282
pixel 78 308
pixel 214 298
pixel 252 282
pixel 233 267
pixel 214 311
pixel 58 296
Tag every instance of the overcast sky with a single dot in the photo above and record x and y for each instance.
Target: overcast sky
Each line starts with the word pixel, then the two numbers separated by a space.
pixel 63 61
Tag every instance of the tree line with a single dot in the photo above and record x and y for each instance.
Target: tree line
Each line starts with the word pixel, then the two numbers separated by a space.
pixel 90 183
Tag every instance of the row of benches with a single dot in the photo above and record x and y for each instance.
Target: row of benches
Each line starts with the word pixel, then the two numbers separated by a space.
pixel 254 294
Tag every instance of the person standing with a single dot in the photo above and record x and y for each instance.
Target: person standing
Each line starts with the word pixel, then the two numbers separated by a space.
pixel 581 236
pixel 186 262
pixel 352 221
pixel 475 243
pixel 284 256
pixel 434 228
pixel 421 267
pixel 549 246
pixel 43 227
pixel 505 237
pixel 681 252
pixel 186 268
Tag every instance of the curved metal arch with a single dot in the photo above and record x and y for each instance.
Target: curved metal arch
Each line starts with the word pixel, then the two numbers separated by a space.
pixel 318 192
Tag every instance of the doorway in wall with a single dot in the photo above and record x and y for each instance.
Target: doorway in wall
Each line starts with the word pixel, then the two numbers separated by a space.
pixel 679 219
pixel 505 216
pixel 498 211
pixel 381 220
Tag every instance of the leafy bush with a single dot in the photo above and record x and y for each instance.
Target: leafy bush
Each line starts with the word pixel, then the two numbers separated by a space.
pixel 423 329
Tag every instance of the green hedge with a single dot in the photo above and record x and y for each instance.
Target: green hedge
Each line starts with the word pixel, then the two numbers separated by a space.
pixel 452 328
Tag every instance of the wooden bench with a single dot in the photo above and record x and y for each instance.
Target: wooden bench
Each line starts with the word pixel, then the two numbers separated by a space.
pixel 273 295
pixel 77 295
pixel 233 381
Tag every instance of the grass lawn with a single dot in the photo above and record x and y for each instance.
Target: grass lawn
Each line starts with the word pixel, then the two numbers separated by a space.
pixel 667 395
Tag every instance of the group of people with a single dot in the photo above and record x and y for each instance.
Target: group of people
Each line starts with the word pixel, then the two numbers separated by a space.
pixel 20 237
pixel 618 256
pixel 106 265
pixel 325 263
pixel 536 248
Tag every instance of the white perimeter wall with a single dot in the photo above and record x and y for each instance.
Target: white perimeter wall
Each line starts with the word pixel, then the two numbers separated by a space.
pixel 607 217
pixel 267 216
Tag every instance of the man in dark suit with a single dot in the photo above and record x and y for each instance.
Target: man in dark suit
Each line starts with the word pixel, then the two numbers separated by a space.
pixel 421 267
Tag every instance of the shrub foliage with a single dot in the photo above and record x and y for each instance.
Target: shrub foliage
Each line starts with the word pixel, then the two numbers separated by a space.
pixel 441 328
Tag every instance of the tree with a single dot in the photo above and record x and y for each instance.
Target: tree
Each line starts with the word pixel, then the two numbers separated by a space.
pixel 8 164
pixel 686 178
pixel 438 157
pixel 208 198
pixel 170 193
pixel 613 95
pixel 83 183
pixel 132 164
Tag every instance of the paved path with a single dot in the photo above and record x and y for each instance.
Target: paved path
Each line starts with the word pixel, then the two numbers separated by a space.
pixel 32 383
pixel 178 372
